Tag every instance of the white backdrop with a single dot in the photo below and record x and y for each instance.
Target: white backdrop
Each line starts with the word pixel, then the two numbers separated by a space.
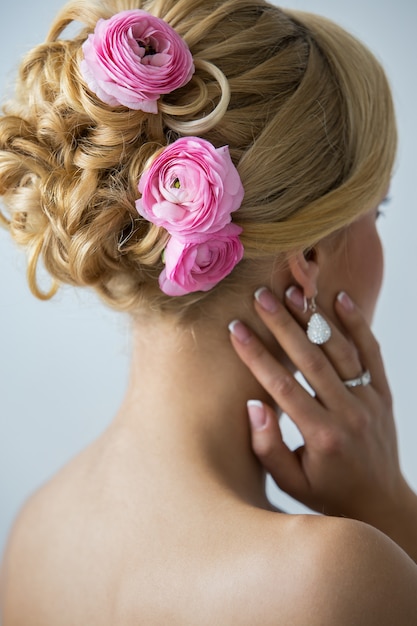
pixel 64 363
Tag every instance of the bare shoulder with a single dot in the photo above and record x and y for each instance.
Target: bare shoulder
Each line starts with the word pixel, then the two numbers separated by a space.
pixel 42 534
pixel 338 571
pixel 19 565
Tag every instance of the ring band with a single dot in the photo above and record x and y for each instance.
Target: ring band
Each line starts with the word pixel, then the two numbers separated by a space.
pixel 363 380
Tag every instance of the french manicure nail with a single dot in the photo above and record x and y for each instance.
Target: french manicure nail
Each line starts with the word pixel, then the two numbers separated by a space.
pixel 257 414
pixel 266 299
pixel 240 331
pixel 345 301
pixel 295 295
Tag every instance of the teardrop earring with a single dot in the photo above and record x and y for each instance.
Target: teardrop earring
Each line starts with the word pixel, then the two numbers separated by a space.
pixel 318 330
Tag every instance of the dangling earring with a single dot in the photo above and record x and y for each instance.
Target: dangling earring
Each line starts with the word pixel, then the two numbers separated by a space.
pixel 318 330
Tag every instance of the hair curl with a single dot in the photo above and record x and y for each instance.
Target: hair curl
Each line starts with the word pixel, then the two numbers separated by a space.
pixel 300 103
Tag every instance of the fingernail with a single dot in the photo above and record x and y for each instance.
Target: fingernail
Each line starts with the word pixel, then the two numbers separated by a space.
pixel 257 414
pixel 266 299
pixel 296 296
pixel 240 331
pixel 345 301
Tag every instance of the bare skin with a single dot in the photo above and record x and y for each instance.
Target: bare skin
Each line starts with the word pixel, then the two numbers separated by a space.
pixel 164 519
pixel 348 465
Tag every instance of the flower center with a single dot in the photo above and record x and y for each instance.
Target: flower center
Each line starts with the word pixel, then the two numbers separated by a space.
pixel 149 49
pixel 176 183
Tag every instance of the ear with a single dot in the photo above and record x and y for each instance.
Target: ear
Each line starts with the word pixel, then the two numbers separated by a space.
pixel 305 271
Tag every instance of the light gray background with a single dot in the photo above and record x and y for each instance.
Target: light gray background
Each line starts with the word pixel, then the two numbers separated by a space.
pixel 64 363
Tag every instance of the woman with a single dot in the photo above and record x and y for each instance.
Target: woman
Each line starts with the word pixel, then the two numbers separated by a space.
pixel 116 173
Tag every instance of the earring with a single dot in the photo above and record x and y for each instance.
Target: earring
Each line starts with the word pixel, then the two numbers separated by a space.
pixel 318 330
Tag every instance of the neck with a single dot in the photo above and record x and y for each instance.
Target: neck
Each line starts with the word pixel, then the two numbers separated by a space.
pixel 185 408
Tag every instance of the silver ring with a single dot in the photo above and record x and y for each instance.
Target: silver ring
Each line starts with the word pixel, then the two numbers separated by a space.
pixel 363 380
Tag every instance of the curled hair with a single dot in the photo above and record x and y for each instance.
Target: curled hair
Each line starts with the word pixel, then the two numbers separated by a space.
pixel 303 106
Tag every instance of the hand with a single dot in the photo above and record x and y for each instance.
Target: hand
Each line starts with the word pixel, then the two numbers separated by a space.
pixel 349 463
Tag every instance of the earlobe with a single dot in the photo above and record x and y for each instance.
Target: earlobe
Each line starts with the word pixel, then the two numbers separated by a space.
pixel 305 272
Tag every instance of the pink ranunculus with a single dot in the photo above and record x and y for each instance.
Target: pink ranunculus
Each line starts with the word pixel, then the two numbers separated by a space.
pixel 132 58
pixel 200 265
pixel 190 188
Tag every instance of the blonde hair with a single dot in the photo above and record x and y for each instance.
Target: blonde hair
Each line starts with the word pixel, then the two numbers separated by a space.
pixel 304 107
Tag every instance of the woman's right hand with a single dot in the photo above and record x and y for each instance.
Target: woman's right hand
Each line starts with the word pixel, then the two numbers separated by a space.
pixel 349 463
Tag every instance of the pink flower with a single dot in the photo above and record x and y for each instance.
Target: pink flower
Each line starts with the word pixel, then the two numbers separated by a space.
pixel 200 265
pixel 190 188
pixel 132 58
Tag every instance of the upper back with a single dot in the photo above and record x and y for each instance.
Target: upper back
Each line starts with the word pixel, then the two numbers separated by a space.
pixel 84 552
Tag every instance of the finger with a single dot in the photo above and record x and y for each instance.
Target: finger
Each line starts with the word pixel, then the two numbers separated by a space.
pixel 278 382
pixel 310 359
pixel 369 350
pixel 341 352
pixel 267 443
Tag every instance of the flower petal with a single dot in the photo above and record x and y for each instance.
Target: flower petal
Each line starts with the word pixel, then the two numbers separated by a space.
pixel 132 58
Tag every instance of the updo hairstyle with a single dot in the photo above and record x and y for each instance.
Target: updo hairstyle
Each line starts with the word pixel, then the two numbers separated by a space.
pixel 303 106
